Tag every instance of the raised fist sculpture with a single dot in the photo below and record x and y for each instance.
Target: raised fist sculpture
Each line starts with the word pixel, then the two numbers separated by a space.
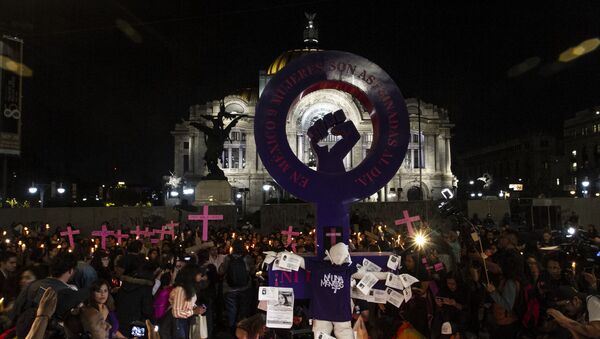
pixel 332 160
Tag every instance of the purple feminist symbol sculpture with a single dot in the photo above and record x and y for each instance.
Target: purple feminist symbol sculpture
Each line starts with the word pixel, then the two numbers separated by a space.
pixel 332 160
pixel 331 187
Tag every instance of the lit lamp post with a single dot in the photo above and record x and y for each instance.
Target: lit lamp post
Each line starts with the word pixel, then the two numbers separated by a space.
pixel 268 187
pixel 585 184
pixel 42 189
pixel 241 195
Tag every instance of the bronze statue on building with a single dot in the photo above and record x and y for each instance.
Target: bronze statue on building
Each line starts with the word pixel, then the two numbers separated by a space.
pixel 215 137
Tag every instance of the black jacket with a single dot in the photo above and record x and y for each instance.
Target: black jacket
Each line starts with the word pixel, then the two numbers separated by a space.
pixel 134 301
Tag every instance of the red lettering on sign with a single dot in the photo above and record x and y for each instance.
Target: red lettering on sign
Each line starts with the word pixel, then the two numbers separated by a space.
pixel 289 277
pixel 299 179
pixel 281 163
pixel 369 176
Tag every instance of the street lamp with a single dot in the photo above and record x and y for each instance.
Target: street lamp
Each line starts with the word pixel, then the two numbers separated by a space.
pixel 41 188
pixel 585 184
pixel 268 187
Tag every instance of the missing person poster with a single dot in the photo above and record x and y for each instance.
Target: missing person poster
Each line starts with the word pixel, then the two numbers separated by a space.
pixel 280 311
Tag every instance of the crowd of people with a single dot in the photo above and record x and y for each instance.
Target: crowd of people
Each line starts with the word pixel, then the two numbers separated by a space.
pixel 473 282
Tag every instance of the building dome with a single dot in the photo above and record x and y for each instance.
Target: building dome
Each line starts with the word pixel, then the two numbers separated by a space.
pixel 286 57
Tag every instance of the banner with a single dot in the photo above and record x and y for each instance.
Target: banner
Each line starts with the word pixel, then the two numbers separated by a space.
pixel 11 56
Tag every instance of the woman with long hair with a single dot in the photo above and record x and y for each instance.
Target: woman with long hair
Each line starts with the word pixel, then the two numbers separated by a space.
pixel 103 265
pixel 419 307
pixel 183 301
pixel 101 300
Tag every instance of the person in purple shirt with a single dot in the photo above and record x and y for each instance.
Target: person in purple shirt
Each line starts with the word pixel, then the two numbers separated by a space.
pixel 101 300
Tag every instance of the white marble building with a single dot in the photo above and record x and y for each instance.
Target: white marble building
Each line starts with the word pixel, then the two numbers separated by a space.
pixel 247 175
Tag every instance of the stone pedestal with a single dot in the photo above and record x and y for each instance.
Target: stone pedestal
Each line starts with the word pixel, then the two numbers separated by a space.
pixel 213 192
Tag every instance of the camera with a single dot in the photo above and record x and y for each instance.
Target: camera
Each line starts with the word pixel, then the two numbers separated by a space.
pixel 138 330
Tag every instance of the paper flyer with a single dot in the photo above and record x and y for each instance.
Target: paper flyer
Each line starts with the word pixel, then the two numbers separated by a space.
pixel 394 281
pixel 395 298
pixel 365 284
pixel 394 262
pixel 280 312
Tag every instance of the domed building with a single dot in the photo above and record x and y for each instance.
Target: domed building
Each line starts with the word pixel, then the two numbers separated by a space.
pixel 424 173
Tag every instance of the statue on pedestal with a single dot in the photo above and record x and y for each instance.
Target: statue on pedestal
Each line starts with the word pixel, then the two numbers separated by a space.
pixel 215 138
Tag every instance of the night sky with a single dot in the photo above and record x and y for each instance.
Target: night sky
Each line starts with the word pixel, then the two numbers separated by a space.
pixel 111 78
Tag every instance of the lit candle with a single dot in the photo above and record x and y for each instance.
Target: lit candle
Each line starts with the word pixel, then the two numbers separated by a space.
pixel 573 265
pixel 59 246
pixel 47 226
pixel 42 246
pixel 230 249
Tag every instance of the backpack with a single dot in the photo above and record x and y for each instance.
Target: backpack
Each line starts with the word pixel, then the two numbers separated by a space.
pixel 527 306
pixel 237 274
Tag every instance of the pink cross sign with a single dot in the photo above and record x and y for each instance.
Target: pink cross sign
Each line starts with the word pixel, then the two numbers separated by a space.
pixel 290 233
pixel 120 236
pixel 69 233
pixel 138 232
pixel 103 234
pixel 164 230
pixel 205 217
pixel 333 235
pixel 172 224
pixel 148 232
pixel 408 220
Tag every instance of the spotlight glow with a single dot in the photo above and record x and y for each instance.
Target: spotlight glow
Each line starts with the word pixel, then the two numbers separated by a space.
pixel 420 240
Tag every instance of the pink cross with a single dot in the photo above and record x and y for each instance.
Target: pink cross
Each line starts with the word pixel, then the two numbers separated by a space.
pixel 172 224
pixel 138 232
pixel 120 236
pixel 103 234
pixel 148 233
pixel 290 233
pixel 205 217
pixel 69 233
pixel 408 221
pixel 333 235
pixel 164 230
